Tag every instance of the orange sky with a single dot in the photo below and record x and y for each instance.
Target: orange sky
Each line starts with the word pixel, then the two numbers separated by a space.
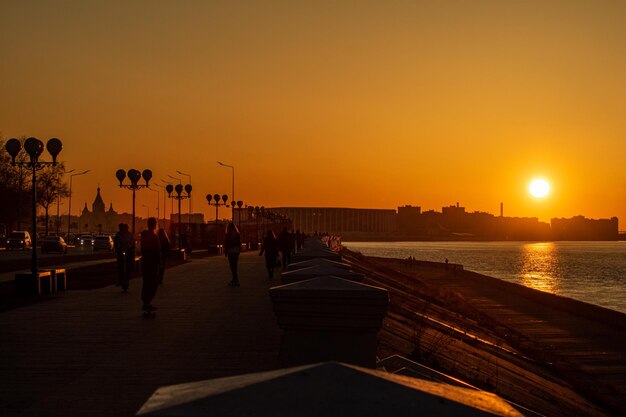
pixel 338 103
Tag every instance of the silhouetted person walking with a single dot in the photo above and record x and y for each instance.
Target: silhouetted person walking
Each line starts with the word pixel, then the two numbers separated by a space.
pixel 285 246
pixel 232 248
pixel 166 247
pixel 125 250
pixel 299 240
pixel 150 263
pixel 270 248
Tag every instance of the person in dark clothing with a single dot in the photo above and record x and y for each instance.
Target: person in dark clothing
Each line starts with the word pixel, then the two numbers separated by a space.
pixel 232 248
pixel 270 248
pixel 124 244
pixel 184 244
pixel 299 240
pixel 285 245
pixel 166 247
pixel 150 263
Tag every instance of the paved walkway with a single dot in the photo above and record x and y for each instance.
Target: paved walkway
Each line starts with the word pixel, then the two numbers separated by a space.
pixel 91 352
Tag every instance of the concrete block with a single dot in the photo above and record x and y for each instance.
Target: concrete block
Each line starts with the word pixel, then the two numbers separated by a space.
pixel 329 318
pixel 328 389
pixel 316 261
pixel 317 271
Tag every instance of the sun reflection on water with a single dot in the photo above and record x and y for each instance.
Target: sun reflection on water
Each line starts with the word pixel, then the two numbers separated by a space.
pixel 539 266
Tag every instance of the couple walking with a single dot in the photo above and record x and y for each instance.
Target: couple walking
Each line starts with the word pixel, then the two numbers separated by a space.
pixel 271 246
pixel 155 248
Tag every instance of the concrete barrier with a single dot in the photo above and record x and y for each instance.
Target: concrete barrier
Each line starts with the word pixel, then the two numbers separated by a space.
pixel 329 318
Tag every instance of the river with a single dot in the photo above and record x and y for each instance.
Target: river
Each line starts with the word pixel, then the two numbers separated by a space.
pixel 594 272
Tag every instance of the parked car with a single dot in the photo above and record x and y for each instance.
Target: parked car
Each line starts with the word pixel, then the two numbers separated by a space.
pixel 19 240
pixel 85 240
pixel 53 244
pixel 103 242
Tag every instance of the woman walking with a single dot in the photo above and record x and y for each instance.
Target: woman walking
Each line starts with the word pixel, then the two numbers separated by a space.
pixel 166 247
pixel 270 248
pixel 232 247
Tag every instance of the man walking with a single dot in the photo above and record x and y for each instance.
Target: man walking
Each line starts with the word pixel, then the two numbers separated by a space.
pixel 125 251
pixel 150 264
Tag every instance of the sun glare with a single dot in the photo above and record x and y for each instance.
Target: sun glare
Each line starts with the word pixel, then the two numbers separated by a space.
pixel 539 188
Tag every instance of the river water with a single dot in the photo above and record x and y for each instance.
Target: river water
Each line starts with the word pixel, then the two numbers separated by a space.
pixel 594 272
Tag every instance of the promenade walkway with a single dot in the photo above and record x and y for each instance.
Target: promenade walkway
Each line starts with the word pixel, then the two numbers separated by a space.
pixel 91 352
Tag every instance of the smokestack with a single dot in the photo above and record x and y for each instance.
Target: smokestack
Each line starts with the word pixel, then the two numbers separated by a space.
pixel 501 209
pixel 457 204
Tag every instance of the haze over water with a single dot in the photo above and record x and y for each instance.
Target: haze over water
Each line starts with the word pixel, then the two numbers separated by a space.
pixel 594 272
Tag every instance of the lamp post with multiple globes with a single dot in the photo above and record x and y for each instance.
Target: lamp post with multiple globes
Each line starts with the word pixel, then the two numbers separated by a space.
pixel 179 196
pixel 217 204
pixel 134 176
pixel 34 148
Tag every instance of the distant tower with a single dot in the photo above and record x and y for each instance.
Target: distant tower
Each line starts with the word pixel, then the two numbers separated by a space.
pixel 501 209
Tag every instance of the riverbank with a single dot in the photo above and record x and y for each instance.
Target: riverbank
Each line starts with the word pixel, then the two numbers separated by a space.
pixel 534 352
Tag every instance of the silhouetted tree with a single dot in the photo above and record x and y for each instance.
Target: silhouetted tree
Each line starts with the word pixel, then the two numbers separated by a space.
pixel 14 190
pixel 51 187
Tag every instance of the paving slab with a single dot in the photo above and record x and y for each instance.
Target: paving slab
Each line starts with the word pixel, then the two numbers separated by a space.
pixel 92 353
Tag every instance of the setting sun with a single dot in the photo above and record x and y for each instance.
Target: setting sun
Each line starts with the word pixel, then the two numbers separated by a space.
pixel 539 188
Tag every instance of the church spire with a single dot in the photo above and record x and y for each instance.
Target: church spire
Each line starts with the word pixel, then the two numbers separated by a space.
pixel 98 204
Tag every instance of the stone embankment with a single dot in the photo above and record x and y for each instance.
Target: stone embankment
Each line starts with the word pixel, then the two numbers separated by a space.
pixel 553 355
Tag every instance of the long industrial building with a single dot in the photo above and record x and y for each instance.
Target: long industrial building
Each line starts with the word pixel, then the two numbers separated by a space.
pixel 340 220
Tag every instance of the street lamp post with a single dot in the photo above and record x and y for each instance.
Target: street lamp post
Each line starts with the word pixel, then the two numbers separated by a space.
pixel 217 204
pixel 148 207
pixel 190 203
pixel 134 176
pixel 166 183
pixel 34 149
pixel 69 208
pixel 158 202
pixel 179 196
pixel 164 208
pixel 58 206
pixel 239 204
pixel 233 188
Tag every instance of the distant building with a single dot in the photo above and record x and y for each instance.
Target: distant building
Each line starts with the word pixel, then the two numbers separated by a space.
pixel 409 219
pixel 340 220
pixel 98 219
pixel 581 228
pixel 197 218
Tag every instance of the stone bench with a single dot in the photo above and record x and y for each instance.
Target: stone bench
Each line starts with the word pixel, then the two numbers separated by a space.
pixel 58 278
pixel 34 284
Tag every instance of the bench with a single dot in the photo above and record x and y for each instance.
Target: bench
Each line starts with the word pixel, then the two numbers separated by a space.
pixel 58 279
pixel 34 284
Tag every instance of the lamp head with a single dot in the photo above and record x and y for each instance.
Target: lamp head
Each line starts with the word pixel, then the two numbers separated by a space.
pixel 147 175
pixel 239 203
pixel 54 147
pixel 225 198
pixel 208 198
pixel 13 147
pixel 188 189
pixel 134 176
pixel 179 189
pixel 34 148
pixel 169 188
pixel 216 197
pixel 120 174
